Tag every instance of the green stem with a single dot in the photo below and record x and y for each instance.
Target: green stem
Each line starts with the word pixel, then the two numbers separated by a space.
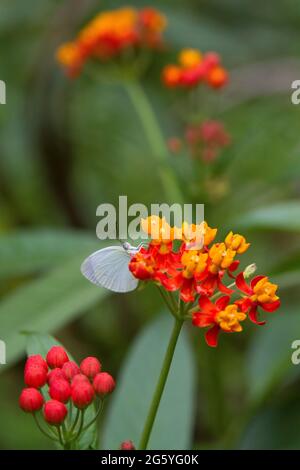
pixel 160 385
pixel 60 436
pixel 77 435
pixel 155 138
pixel 166 298
pixel 75 421
pixel 42 430
pixel 100 409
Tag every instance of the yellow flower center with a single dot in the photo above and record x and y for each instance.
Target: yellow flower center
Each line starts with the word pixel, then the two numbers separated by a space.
pixel 221 257
pixel 236 242
pixel 264 292
pixel 189 58
pixel 201 234
pixel 230 318
pixel 158 229
pixel 194 262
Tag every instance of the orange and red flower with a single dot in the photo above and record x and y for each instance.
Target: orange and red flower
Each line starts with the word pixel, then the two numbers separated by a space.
pixel 196 271
pixel 260 293
pixel 194 68
pixel 220 316
pixel 109 34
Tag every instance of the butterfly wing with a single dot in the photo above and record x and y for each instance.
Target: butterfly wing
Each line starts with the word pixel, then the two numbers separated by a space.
pixel 109 268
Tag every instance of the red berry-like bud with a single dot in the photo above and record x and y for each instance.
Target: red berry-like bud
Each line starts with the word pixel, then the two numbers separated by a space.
pixel 82 394
pixel 60 390
pixel 127 445
pixel 103 384
pixel 36 360
pixel 70 369
pixel 55 412
pixel 31 400
pixel 90 367
pixel 79 378
pixel 35 376
pixel 55 374
pixel 56 357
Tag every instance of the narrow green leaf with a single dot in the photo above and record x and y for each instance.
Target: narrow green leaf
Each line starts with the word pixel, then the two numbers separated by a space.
pixel 269 356
pixel 45 305
pixel 174 423
pixel 27 252
pixel 284 216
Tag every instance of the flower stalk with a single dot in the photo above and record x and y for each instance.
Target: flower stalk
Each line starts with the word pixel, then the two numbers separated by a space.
pixel 155 138
pixel 154 406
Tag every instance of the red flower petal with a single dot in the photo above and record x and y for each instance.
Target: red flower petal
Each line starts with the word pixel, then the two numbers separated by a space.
pixel 271 306
pixel 187 290
pixel 234 266
pixel 242 285
pixel 202 319
pixel 224 289
pixel 255 280
pixel 208 285
pixel 169 283
pixel 206 305
pixel 211 336
pixel 253 316
pixel 244 304
pixel 222 302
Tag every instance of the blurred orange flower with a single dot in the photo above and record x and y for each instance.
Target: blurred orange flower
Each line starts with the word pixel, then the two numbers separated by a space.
pixel 110 33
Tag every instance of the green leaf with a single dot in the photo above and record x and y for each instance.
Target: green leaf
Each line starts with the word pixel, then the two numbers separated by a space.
pixel 40 344
pixel 276 427
pixel 136 386
pixel 269 355
pixel 283 216
pixel 27 252
pixel 45 305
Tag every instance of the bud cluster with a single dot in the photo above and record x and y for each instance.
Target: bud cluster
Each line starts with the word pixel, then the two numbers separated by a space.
pixel 67 385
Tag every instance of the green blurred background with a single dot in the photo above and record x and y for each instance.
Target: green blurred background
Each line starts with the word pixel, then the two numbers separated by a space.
pixel 68 146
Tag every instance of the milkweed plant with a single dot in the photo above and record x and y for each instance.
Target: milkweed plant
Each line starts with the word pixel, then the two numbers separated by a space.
pixel 201 285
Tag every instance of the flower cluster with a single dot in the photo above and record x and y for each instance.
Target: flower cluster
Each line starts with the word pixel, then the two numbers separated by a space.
pixel 196 271
pixel 206 140
pixel 68 385
pixel 194 68
pixel 112 33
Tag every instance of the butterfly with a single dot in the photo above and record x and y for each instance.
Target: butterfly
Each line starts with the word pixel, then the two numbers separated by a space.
pixel 108 268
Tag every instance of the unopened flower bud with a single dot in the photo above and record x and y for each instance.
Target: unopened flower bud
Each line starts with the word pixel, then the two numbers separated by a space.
pixel 69 370
pixel 90 367
pixel 127 445
pixel 250 270
pixel 55 374
pixel 60 390
pixel 56 357
pixel 36 360
pixel 79 378
pixel 35 376
pixel 103 384
pixel 55 412
pixel 31 400
pixel 82 394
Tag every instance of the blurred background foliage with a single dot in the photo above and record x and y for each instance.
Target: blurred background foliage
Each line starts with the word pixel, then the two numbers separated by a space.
pixel 68 146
